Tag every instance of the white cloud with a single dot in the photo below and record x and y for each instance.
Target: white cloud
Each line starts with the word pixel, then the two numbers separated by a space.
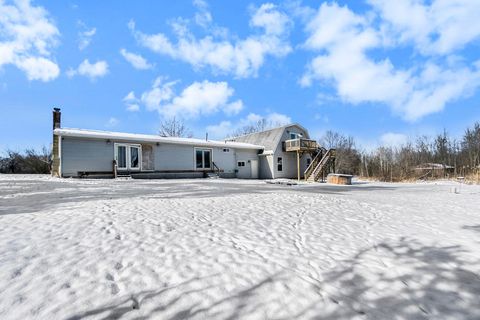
pixel 273 21
pixel 160 93
pixel 221 130
pixel 199 98
pixel 440 27
pixel 136 60
pixel 278 119
pixel 85 36
pixel 203 17
pixel 343 40
pixel 234 107
pixel 91 70
pixel 39 68
pixel 240 57
pixel 112 122
pixel 391 139
pixel 27 36
pixel 131 102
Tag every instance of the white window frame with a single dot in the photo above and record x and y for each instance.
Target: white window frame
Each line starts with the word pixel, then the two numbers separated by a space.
pixel 128 161
pixel 280 162
pixel 203 159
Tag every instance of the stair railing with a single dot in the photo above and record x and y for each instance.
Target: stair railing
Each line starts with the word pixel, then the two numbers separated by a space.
pixel 320 168
pixel 320 152
pixel 215 167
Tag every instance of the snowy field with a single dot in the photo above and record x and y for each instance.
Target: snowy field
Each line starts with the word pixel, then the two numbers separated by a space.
pixel 236 249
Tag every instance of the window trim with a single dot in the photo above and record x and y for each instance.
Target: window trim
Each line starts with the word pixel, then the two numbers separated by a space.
pixel 241 161
pixel 280 164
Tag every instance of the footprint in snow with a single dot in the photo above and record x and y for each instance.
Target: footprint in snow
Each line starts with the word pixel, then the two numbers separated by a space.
pixel 16 273
pixel 114 289
pixel 118 266
pixel 109 277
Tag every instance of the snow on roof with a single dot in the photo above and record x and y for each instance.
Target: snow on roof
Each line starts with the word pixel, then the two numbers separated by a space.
pixel 98 134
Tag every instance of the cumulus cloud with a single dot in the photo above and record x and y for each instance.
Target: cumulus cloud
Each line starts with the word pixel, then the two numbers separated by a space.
pixel 439 27
pixel 391 139
pixel 27 36
pixel 240 57
pixel 85 36
pixel 343 41
pixel 267 16
pixel 136 60
pixel 131 102
pixel 203 17
pixel 91 70
pixel 199 98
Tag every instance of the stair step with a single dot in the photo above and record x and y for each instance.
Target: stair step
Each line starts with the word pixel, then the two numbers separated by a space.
pixel 213 175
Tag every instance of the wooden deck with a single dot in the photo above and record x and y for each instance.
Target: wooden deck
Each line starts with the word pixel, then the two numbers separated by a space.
pixel 300 145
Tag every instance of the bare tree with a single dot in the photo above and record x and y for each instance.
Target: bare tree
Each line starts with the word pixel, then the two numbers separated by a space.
pixel 174 128
pixel 30 161
pixel 348 159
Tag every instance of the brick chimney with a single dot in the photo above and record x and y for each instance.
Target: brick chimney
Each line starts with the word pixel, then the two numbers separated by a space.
pixel 56 148
pixel 57 115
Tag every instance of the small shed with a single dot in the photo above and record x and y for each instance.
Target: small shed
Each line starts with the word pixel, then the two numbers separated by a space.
pixel 337 178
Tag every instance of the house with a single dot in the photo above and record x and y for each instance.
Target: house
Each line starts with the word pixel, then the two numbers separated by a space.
pixel 283 152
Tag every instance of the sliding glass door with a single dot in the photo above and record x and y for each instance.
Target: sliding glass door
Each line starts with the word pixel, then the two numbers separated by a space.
pixel 128 156
pixel 203 159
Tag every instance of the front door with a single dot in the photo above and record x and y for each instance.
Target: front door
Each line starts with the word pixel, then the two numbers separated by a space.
pixel 134 157
pixel 254 168
pixel 128 156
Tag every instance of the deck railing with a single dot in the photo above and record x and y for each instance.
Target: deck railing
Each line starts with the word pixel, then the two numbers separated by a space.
pixel 300 145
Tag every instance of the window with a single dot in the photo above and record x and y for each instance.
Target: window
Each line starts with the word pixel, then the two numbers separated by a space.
pixel 203 159
pixel 295 135
pixel 309 161
pixel 279 164
pixel 226 150
pixel 241 164
pixel 134 161
pixel 122 157
pixel 128 156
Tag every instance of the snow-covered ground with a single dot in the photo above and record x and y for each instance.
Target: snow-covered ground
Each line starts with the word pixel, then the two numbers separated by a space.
pixel 228 249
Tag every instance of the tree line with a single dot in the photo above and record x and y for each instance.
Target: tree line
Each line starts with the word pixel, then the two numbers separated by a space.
pixel 29 161
pixel 423 157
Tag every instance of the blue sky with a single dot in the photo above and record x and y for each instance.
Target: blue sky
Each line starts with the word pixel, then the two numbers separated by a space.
pixel 379 70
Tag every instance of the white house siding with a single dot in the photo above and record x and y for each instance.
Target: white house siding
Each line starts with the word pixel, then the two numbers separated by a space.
pixel 85 155
pixel 266 166
pixel 289 169
pixel 247 156
pixel 171 157
pixel 225 161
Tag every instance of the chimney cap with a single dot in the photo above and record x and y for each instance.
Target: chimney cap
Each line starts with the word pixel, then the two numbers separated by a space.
pixel 56 109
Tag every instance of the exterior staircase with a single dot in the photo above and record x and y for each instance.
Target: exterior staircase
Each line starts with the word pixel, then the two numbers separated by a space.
pixel 215 173
pixel 322 164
